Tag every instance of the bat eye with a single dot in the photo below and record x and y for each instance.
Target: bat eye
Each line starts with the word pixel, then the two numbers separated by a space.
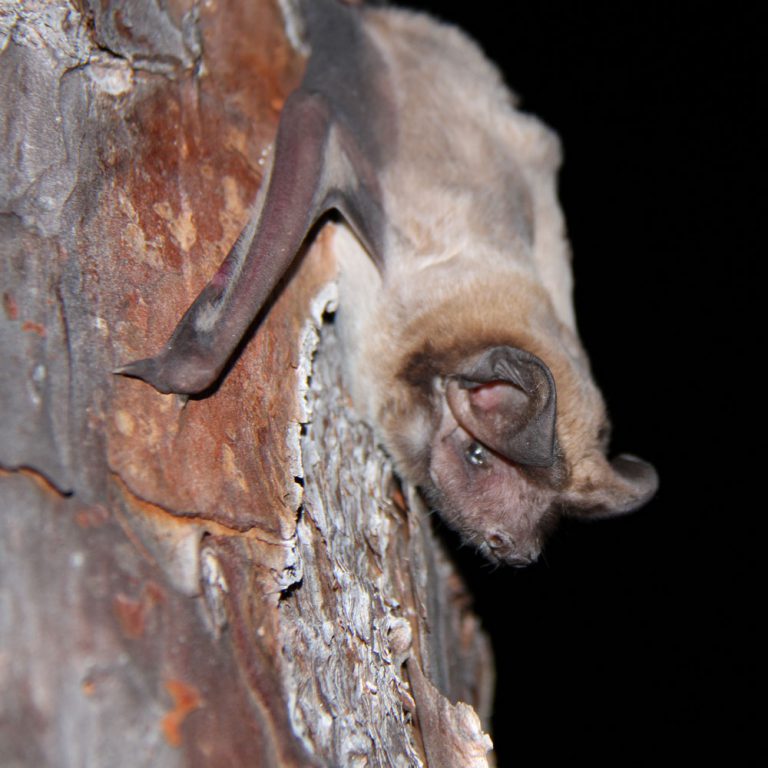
pixel 476 455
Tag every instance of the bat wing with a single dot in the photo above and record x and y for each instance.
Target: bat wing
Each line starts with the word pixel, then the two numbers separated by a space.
pixel 326 153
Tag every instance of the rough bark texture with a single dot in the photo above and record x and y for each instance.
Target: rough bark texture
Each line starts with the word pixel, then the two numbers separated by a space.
pixel 238 580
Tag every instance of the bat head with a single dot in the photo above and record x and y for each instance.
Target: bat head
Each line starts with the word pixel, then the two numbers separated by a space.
pixel 497 470
pixel 503 444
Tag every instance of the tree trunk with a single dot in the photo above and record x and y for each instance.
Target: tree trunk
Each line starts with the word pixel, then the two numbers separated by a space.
pixel 232 581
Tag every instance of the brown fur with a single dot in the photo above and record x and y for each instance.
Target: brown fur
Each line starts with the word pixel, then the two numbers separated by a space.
pixel 477 259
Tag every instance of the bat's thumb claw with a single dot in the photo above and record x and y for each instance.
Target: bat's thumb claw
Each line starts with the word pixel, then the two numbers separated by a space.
pixel 171 372
pixel 146 370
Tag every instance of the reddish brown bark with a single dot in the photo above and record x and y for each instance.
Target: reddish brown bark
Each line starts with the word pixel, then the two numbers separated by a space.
pixel 196 584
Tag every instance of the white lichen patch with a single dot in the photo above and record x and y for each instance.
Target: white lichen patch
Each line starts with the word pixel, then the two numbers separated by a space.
pixel 110 75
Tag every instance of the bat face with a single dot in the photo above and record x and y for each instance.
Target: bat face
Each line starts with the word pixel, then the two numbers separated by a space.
pixel 493 451
pixel 502 460
pixel 455 294
pixel 489 499
pixel 504 497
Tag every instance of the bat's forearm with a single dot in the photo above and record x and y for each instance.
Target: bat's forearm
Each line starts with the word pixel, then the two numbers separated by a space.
pixel 214 325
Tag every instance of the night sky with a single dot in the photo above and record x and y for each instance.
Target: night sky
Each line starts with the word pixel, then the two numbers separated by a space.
pixel 633 641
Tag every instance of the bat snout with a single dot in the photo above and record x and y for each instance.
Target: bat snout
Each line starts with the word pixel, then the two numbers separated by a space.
pixel 501 547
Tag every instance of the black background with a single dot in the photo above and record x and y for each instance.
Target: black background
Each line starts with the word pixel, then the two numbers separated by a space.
pixel 633 641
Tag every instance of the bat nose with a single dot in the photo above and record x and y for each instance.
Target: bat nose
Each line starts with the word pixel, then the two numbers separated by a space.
pixel 508 550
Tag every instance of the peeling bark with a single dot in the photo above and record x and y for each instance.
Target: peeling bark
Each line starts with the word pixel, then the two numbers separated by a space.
pixel 240 579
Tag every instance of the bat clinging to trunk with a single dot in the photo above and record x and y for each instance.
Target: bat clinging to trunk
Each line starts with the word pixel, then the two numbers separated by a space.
pixel 455 290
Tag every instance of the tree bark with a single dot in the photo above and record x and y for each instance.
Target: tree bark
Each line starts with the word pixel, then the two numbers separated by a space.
pixel 239 579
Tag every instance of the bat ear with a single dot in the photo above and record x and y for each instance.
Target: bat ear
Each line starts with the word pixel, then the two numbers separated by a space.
pixel 604 489
pixel 506 400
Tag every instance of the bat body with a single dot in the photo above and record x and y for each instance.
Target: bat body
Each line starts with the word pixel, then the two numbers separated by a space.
pixel 455 291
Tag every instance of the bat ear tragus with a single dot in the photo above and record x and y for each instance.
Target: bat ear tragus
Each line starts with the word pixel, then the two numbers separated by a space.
pixel 506 399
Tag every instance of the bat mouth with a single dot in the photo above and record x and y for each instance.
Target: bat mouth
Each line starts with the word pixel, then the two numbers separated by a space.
pixel 500 549
pixel 512 561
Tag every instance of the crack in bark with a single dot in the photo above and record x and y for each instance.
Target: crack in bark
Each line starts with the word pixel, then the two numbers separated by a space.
pixel 39 478
pixel 201 519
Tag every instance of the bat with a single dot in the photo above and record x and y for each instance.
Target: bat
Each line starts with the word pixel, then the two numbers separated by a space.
pixel 455 306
